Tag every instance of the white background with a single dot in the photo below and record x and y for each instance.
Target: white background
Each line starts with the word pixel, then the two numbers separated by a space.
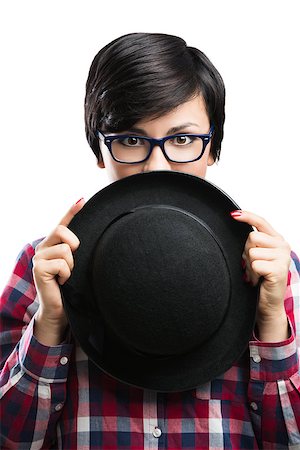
pixel 46 50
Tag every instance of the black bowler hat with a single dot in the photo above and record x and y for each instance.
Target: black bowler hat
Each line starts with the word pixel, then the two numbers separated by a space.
pixel 157 298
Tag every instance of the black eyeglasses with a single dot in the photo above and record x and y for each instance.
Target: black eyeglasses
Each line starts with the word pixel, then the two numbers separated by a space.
pixel 178 148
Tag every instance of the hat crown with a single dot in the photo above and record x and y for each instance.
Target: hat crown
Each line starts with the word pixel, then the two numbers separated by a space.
pixel 170 288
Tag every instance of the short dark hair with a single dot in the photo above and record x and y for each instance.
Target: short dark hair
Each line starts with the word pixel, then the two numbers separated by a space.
pixel 142 75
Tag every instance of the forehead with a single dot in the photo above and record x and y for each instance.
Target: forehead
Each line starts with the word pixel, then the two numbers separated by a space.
pixel 192 113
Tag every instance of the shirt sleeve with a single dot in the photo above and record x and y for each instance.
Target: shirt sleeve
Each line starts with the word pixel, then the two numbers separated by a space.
pixel 33 376
pixel 274 388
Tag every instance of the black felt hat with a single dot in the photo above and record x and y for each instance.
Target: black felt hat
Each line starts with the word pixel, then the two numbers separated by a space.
pixel 156 297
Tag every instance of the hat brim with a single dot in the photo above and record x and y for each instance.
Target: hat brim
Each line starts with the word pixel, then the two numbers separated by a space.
pixel 213 206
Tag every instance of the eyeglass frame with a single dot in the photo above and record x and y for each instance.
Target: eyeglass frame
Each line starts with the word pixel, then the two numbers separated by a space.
pixel 154 142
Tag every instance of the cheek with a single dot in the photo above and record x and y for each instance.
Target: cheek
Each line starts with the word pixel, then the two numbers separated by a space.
pixel 116 171
pixel 197 168
pixel 119 171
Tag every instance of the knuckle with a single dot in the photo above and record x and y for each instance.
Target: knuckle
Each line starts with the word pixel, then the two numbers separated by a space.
pixel 59 230
pixel 252 237
pixel 252 253
pixel 39 247
pixel 36 261
pixel 37 267
pixel 64 249
pixel 254 265
pixel 61 265
pixel 64 273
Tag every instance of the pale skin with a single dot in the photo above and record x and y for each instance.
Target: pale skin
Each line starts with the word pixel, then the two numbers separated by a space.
pixel 266 253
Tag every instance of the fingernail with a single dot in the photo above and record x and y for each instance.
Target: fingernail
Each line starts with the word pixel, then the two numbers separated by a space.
pixel 236 213
pixel 79 200
pixel 243 264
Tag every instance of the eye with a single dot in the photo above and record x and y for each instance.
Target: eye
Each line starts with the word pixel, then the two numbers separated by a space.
pixel 181 140
pixel 131 141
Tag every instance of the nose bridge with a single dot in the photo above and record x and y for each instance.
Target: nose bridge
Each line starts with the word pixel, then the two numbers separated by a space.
pixel 157 143
pixel 157 159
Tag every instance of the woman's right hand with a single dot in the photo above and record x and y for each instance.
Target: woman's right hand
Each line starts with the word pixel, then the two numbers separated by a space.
pixel 52 266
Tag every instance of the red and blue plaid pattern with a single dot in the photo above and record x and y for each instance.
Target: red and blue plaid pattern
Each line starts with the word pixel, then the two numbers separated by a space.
pixel 56 398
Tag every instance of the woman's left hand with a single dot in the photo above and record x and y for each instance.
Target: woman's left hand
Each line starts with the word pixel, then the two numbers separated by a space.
pixel 268 255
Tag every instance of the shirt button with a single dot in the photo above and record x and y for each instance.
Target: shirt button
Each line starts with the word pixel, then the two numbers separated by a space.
pixel 58 407
pixel 254 406
pixel 63 360
pixel 256 358
pixel 156 432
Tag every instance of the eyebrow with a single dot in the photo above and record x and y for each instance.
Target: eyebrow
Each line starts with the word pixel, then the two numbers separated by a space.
pixel 172 130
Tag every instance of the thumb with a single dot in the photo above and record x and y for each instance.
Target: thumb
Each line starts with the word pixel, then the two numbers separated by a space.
pixel 72 212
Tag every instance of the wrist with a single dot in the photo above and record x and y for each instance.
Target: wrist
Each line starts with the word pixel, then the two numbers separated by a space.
pixel 49 332
pixel 273 327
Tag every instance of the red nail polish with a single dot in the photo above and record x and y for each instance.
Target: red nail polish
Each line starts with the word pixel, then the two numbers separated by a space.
pixel 79 200
pixel 236 213
pixel 243 264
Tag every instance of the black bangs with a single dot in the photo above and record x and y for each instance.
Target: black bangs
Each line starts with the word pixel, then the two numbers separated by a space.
pixel 144 75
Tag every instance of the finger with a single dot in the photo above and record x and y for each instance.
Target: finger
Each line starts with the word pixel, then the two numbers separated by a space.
pixel 279 255
pixel 59 251
pixel 47 270
pixel 270 270
pixel 61 234
pixel 266 254
pixel 72 212
pixel 256 221
pixel 259 239
pixel 258 242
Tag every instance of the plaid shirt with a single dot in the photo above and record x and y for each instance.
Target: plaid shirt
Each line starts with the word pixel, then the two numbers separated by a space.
pixel 54 397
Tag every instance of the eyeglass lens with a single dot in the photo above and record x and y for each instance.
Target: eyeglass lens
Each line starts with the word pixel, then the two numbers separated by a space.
pixel 135 149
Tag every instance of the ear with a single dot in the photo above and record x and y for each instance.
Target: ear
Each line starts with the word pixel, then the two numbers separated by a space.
pixel 101 164
pixel 210 160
